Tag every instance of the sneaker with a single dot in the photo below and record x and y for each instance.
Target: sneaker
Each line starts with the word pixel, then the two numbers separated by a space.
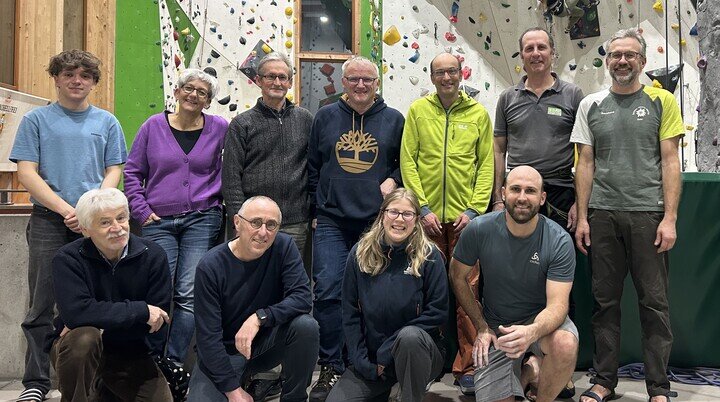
pixel 467 384
pixel 260 389
pixel 321 389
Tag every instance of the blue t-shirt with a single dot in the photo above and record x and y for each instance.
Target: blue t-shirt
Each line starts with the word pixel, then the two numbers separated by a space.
pixel 72 149
pixel 515 270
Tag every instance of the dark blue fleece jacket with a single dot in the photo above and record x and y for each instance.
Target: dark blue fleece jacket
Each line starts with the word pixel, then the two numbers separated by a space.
pixel 376 308
pixel 349 156
pixel 89 291
pixel 228 291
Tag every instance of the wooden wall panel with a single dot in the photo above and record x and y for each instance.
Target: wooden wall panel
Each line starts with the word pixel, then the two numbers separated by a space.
pixel 74 25
pixel 100 41
pixel 40 36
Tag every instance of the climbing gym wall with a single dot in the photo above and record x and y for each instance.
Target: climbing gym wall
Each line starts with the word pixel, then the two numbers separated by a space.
pixel 484 34
pixel 707 136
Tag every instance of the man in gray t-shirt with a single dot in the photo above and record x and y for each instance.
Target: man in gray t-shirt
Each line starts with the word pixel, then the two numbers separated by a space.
pixel 527 263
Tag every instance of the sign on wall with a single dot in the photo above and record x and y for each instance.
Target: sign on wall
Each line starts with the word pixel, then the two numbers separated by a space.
pixel 13 106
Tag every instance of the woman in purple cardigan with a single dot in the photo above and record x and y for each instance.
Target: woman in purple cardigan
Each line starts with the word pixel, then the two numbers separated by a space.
pixel 172 181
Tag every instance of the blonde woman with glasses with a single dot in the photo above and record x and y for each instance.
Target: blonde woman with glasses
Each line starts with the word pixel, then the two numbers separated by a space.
pixel 395 298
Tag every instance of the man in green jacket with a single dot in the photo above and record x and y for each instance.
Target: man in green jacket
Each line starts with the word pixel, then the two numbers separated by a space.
pixel 446 158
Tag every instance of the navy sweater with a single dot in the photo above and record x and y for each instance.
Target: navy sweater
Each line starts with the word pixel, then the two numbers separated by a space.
pixel 349 156
pixel 228 291
pixel 376 308
pixel 91 292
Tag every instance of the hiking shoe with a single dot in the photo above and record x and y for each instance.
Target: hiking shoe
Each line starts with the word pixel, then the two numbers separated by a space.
pixel 321 389
pixel 467 384
pixel 177 378
pixel 260 389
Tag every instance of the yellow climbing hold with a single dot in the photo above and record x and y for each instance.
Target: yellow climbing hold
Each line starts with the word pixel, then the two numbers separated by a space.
pixel 518 69
pixel 689 128
pixel 288 11
pixel 657 84
pixel 266 48
pixel 185 31
pixel 289 97
pixel 658 6
pixel 385 68
pixel 675 26
pixel 391 36
pixel 288 34
pixel 683 42
pixel 288 44
pixel 482 17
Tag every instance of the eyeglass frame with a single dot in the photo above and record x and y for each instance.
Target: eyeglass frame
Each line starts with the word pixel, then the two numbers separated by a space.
pixel 635 55
pixel 199 92
pixel 452 72
pixel 365 80
pixel 267 223
pixel 283 78
pixel 389 212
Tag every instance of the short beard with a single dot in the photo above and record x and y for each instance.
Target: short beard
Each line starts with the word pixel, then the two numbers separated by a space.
pixel 522 218
pixel 624 81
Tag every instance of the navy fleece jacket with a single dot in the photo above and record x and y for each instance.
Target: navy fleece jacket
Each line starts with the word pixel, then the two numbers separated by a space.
pixel 376 308
pixel 228 291
pixel 89 291
pixel 349 156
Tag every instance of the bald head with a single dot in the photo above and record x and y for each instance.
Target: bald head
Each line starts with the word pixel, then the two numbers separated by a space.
pixel 524 173
pixel 444 58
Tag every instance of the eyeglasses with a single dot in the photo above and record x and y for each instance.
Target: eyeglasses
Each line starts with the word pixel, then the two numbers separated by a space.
pixel 406 215
pixel 452 72
pixel 365 80
pixel 257 223
pixel 201 93
pixel 629 56
pixel 270 78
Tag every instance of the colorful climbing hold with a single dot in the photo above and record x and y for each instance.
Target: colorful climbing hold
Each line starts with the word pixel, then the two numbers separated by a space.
pixel 450 37
pixel 466 72
pixel 518 69
pixel 597 62
pixel 660 49
pixel 288 44
pixel 391 36
pixel 658 6
pixel 496 53
pixel 487 86
pixel 266 48
pixel 415 46
pixel 601 51
pixel 288 33
pixel 414 58
pixel 185 31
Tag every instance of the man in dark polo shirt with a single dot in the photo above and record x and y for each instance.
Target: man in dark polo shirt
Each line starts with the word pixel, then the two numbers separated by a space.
pixel 533 122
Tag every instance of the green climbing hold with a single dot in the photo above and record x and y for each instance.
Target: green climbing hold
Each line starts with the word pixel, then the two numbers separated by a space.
pixel 487 86
pixel 479 34
pixel 597 62
pixel 152 105
pixel 487 46
pixel 505 5
pixel 496 53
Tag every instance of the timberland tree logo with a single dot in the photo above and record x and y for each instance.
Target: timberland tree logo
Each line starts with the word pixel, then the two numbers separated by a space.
pixel 535 259
pixel 356 152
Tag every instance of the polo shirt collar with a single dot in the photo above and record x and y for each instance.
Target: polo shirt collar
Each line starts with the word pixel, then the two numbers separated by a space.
pixel 555 86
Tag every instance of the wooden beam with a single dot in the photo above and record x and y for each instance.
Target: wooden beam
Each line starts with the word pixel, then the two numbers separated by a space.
pixel 39 37
pixel 100 16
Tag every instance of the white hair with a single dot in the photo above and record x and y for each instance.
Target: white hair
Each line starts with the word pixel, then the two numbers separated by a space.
pixel 95 201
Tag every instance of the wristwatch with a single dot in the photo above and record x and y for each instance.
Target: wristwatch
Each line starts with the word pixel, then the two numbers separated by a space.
pixel 262 316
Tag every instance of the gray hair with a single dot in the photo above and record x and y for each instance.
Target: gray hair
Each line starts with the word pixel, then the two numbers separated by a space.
pixel 250 200
pixel 95 201
pixel 533 29
pixel 360 60
pixel 630 33
pixel 192 74
pixel 276 56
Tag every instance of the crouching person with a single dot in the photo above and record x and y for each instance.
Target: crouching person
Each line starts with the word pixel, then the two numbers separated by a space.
pixel 252 299
pixel 394 299
pixel 112 288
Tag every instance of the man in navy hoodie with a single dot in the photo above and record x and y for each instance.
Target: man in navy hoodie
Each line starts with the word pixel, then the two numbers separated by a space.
pixel 353 162
pixel 252 305
pixel 112 288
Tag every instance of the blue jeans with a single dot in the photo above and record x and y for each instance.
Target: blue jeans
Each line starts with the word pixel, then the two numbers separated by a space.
pixel 331 245
pixel 185 238
pixel 46 233
pixel 293 344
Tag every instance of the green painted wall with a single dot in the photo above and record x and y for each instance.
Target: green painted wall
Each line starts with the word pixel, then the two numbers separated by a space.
pixel 371 39
pixel 138 76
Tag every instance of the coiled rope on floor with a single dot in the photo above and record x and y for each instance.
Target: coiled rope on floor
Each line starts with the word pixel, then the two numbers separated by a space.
pixel 691 376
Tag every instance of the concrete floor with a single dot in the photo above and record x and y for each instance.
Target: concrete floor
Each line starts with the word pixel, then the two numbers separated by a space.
pixel 444 391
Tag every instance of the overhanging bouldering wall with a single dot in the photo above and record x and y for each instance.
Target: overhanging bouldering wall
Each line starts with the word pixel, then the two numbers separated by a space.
pixel 709 123
pixel 485 35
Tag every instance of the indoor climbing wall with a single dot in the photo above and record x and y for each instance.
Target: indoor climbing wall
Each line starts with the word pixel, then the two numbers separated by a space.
pixel 226 39
pixel 484 35
pixel 709 125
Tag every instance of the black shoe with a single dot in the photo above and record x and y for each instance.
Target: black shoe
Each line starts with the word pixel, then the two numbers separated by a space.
pixel 177 378
pixel 260 389
pixel 321 389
